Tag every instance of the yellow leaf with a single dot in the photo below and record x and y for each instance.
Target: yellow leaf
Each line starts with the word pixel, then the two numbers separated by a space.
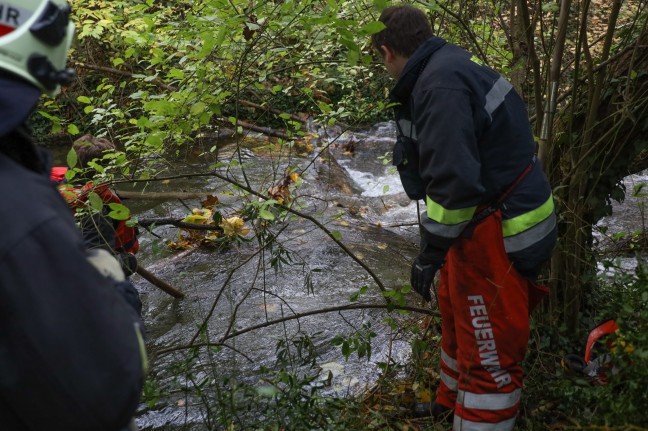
pixel 234 226
pixel 198 216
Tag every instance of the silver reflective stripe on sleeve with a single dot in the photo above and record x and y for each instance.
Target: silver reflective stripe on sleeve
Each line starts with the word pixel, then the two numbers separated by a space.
pixel 450 382
pixel 530 236
pixel 471 400
pixel 446 231
pixel 496 95
pixel 449 361
pixel 466 425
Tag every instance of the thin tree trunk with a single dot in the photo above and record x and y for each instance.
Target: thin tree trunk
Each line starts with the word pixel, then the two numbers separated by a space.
pixel 554 80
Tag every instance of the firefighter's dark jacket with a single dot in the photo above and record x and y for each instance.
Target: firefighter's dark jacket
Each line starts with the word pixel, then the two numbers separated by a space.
pixel 463 138
pixel 70 354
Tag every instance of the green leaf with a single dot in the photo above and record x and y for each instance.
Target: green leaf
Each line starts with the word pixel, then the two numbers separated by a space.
pixel 72 129
pixel 71 158
pixel 118 212
pixel 267 391
pixel 198 108
pixel 380 4
pixel 265 214
pixel 83 99
pixel 325 107
pixel 96 203
pixel 154 140
pixel 372 27
pixel 337 235
pixel 550 7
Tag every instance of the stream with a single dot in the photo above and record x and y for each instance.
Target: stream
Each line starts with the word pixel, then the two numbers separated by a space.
pixel 351 193
pixel 354 194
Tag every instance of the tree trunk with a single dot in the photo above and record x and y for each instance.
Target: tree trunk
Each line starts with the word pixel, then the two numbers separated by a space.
pixel 594 145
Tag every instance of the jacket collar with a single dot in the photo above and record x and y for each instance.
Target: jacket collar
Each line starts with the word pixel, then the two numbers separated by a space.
pixel 414 67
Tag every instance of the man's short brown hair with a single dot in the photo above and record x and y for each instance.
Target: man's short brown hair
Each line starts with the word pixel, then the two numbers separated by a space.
pixel 407 27
pixel 89 147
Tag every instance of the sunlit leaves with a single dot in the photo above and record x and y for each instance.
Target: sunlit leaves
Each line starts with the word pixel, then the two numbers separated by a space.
pixel 72 129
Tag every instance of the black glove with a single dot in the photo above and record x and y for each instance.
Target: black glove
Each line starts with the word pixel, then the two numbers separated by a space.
pixel 422 277
pixel 128 262
pixel 131 295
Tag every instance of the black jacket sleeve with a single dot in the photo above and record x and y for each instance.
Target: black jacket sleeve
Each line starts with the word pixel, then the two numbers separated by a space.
pixel 70 353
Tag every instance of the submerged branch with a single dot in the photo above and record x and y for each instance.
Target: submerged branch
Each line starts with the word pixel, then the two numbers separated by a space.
pixel 177 223
pixel 162 196
pixel 349 307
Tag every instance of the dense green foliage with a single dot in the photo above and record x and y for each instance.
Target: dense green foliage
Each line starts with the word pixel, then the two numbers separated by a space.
pixel 157 75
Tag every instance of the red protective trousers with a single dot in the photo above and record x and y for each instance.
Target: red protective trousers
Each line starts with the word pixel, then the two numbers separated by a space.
pixel 484 306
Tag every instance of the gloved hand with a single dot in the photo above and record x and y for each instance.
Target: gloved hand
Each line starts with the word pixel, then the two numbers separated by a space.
pixel 106 264
pixel 422 277
pixel 128 263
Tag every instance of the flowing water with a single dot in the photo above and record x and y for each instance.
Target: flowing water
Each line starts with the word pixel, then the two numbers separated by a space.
pixel 354 194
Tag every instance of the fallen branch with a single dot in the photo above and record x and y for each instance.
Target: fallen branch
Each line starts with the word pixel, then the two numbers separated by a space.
pixel 271 110
pixel 177 223
pixel 263 130
pixel 163 285
pixel 127 194
pixel 297 316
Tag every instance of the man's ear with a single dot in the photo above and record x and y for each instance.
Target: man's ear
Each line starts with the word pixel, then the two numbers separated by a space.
pixel 388 54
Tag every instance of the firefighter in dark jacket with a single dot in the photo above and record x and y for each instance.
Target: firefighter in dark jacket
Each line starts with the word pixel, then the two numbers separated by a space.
pixel 465 147
pixel 71 350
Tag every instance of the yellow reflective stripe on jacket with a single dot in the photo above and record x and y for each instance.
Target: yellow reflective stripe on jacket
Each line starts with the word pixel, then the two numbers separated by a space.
pixel 527 220
pixel 530 236
pixel 445 216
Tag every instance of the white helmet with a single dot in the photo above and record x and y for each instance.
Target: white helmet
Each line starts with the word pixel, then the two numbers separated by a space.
pixel 35 36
